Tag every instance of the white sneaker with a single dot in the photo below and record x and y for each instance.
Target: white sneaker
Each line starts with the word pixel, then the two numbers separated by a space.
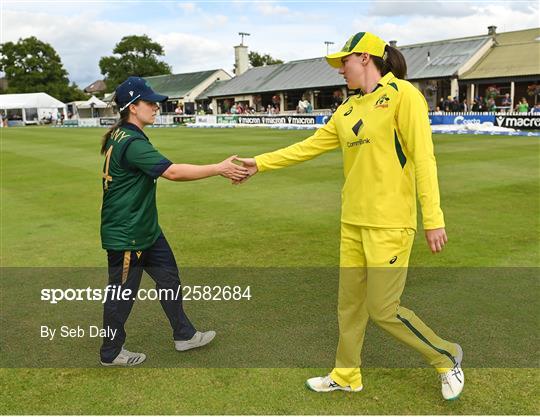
pixel 452 382
pixel 126 358
pixel 199 339
pixel 327 384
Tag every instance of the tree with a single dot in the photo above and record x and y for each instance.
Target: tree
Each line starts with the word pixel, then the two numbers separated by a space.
pixel 33 66
pixel 137 57
pixel 258 60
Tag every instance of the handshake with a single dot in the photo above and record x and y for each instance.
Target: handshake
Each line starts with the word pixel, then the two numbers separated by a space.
pixel 235 172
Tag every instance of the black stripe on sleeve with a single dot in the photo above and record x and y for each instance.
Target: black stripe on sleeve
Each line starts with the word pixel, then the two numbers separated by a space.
pixel 160 168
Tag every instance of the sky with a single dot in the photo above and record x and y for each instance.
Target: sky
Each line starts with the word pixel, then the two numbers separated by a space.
pixel 200 35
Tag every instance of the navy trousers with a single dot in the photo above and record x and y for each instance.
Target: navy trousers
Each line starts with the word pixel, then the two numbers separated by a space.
pixel 125 270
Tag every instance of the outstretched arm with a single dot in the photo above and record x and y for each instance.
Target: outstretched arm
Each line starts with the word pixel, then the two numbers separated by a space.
pixel 323 140
pixel 188 172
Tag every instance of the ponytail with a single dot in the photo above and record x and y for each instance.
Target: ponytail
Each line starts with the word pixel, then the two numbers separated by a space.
pixel 124 115
pixel 393 61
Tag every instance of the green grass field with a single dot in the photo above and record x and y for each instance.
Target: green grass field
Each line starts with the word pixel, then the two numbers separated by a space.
pixel 482 290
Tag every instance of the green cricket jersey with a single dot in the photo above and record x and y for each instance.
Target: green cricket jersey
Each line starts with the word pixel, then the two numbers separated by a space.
pixel 129 219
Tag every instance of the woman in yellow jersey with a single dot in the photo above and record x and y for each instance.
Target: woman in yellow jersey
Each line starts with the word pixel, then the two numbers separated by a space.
pixel 385 137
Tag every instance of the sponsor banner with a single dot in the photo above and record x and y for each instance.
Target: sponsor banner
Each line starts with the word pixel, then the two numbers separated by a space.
pixel 299 120
pixel 485 132
pixel 207 118
pixel 182 120
pixel 15 123
pixel 272 120
pixel 107 121
pixel 90 122
pixel 164 120
pixel 227 119
pixel 461 119
pixel 71 122
pixel 525 122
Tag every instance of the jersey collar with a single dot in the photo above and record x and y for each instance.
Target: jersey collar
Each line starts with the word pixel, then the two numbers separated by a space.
pixel 135 128
pixel 384 81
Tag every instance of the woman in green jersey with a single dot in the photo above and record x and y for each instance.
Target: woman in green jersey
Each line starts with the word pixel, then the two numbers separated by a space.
pixel 130 231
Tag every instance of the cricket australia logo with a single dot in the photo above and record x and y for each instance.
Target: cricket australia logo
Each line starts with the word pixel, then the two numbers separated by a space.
pixel 382 102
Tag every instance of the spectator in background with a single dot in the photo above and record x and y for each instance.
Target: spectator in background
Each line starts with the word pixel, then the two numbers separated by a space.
pixel 454 105
pixel 464 106
pixel 490 105
pixel 276 103
pixel 480 106
pixel 303 105
pixel 437 110
pixel 441 104
pixel 446 105
pixel 522 106
pixel 507 102
pixel 337 99
pixel 536 108
pixel 179 109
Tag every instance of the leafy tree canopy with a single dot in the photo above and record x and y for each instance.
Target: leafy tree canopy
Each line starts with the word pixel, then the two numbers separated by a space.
pixel 135 56
pixel 258 60
pixel 33 66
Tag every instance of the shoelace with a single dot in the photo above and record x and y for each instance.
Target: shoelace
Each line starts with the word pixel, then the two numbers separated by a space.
pixel 455 372
pixel 327 380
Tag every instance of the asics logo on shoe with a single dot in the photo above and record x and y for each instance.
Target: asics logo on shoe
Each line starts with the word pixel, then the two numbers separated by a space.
pixel 456 372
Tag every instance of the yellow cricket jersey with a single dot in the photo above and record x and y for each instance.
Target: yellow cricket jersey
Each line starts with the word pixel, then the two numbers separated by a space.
pixel 387 148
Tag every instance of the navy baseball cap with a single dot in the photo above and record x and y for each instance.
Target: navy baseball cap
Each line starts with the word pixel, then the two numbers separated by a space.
pixel 133 89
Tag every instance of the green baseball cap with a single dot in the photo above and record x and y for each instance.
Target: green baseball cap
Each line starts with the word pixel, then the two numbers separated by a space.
pixel 362 42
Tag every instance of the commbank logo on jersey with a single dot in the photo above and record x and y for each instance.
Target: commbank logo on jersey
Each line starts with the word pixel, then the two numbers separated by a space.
pixel 382 102
pixel 357 143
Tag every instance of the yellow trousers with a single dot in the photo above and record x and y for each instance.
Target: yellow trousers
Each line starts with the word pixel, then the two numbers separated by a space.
pixel 373 271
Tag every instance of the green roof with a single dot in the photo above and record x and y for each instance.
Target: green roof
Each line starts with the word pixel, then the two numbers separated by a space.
pixel 514 54
pixel 178 85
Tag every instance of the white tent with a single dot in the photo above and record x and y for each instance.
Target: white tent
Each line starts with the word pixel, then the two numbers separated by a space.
pixel 93 103
pixel 93 107
pixel 30 107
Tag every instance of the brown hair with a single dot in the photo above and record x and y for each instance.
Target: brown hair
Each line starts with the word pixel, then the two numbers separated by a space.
pixel 124 116
pixel 394 62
